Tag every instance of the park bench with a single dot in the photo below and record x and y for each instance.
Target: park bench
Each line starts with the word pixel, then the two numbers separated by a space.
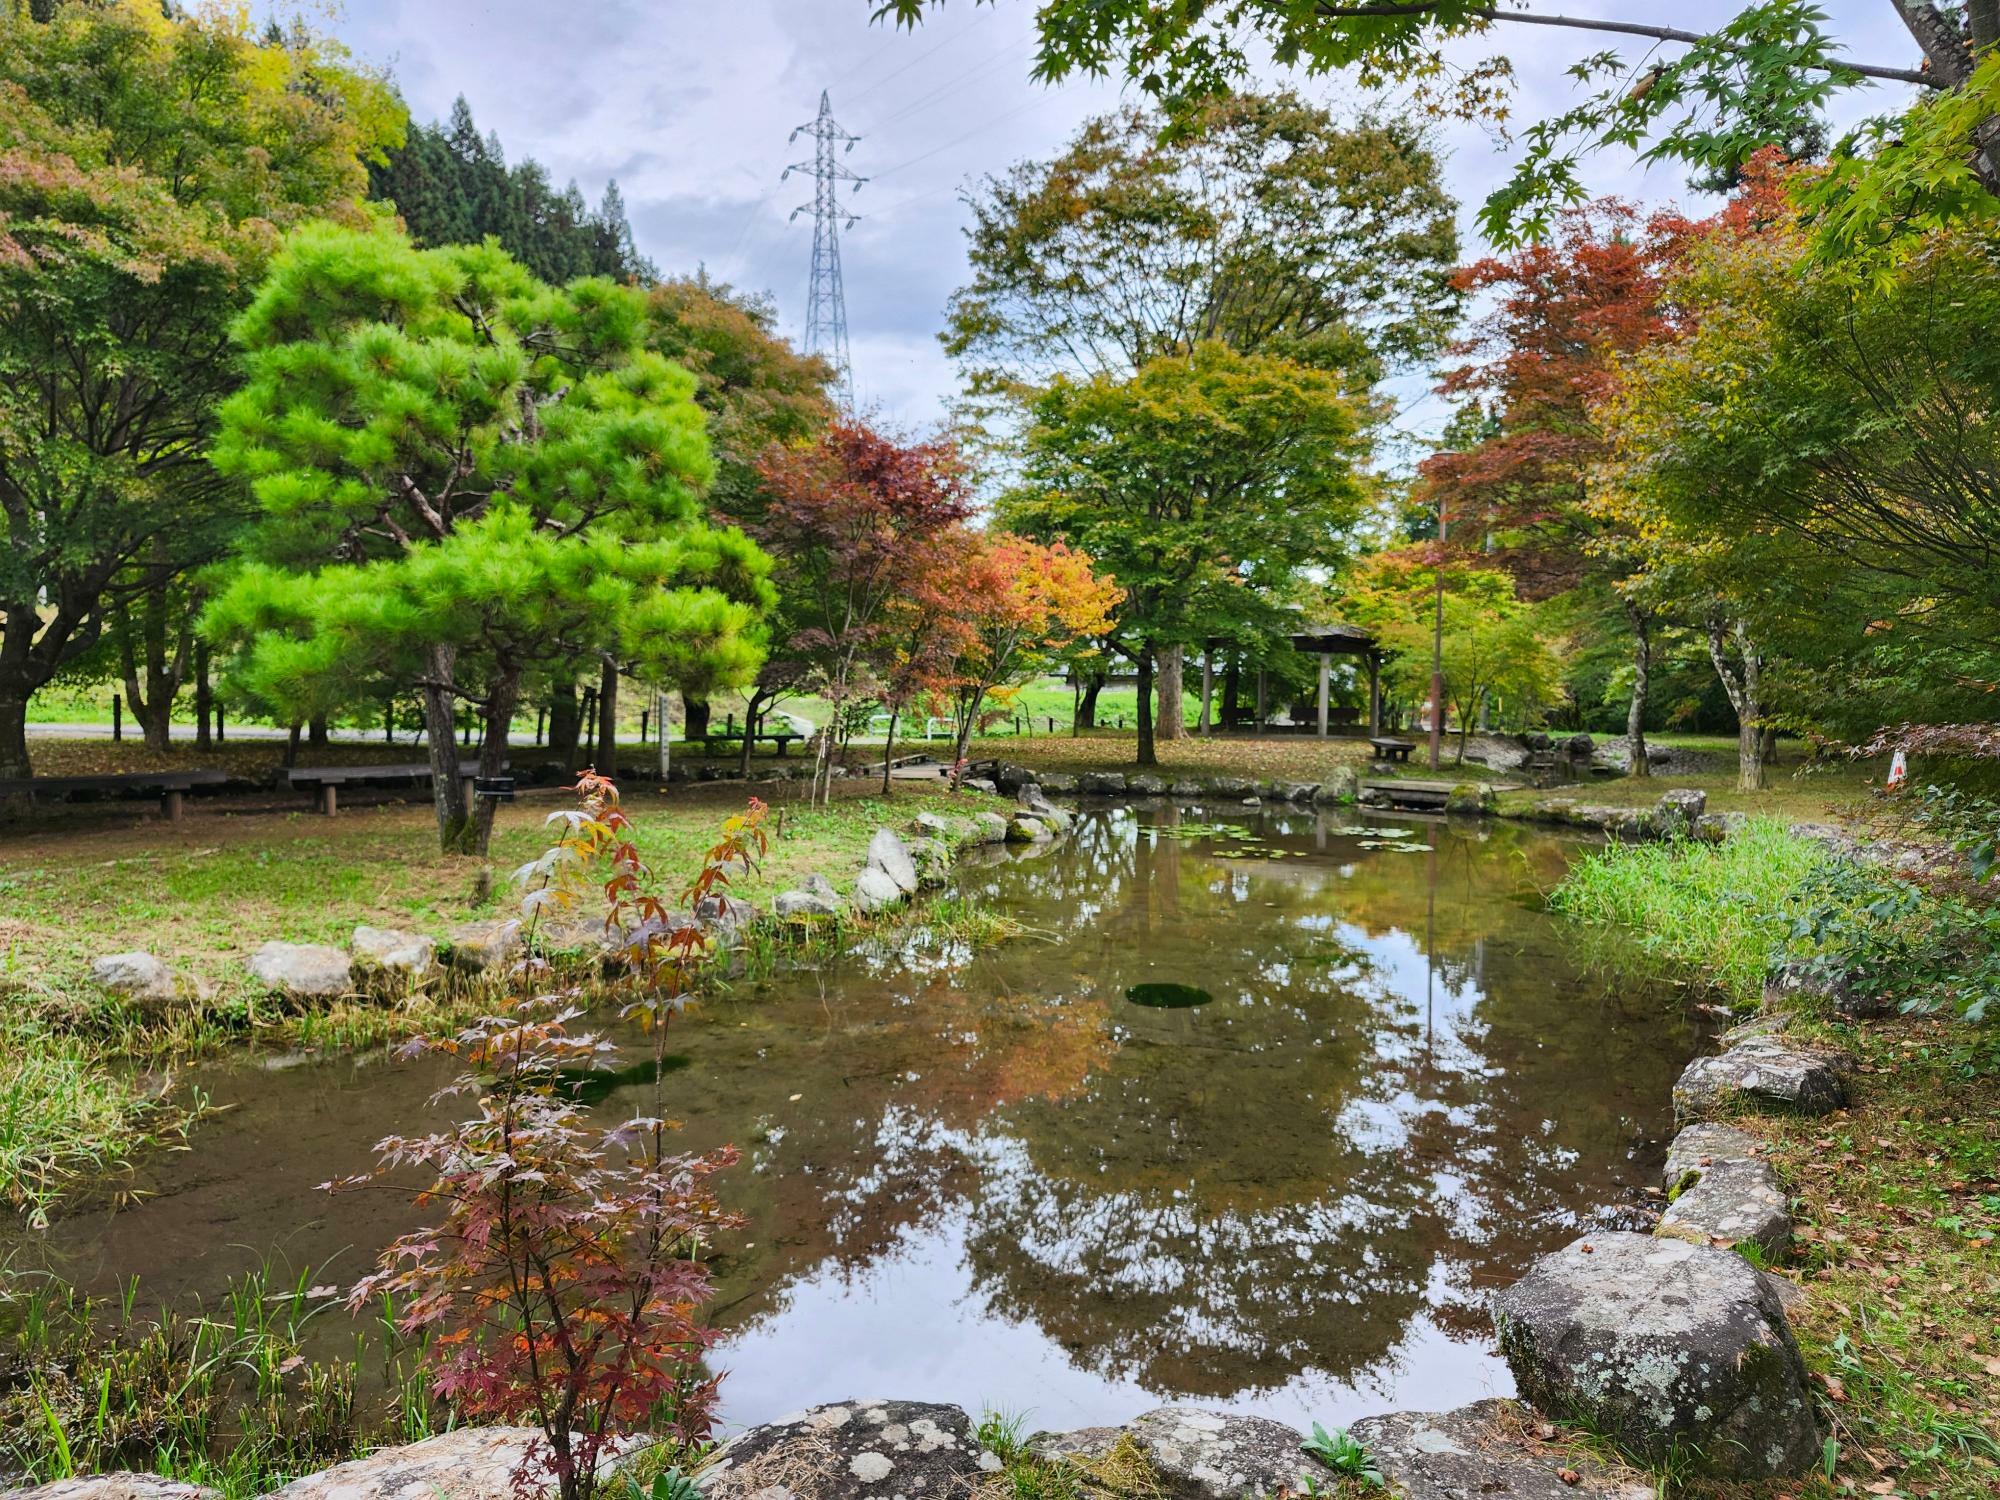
pixel 779 737
pixel 329 779
pixel 173 786
pixel 1392 750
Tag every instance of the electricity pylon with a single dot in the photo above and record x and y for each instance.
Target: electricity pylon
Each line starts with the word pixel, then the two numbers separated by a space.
pixel 826 306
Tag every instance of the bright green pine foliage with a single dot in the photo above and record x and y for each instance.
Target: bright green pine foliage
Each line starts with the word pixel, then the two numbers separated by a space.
pixel 465 478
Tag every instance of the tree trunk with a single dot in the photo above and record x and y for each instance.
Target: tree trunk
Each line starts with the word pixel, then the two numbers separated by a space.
pixel 316 731
pixel 1232 689
pixel 607 719
pixel 565 725
pixel 1086 712
pixel 441 742
pixel 1768 751
pixel 292 745
pixel 1642 672
pixel 1746 696
pixel 152 681
pixel 204 702
pixel 888 750
pixel 1147 756
pixel 499 719
pixel 14 761
pixel 1170 722
pixel 694 717
pixel 753 711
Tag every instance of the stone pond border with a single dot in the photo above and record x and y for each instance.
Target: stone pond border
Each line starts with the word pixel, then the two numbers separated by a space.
pixel 1675 1344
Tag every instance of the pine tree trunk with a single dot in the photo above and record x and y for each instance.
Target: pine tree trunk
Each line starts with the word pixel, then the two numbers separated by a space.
pixel 607 719
pixel 441 743
pixel 499 719
pixel 565 725
pixel 1169 723
pixel 1147 755
pixel 694 717
pixel 1642 672
pixel 316 733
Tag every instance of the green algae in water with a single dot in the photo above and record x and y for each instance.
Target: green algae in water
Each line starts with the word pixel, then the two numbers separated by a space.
pixel 1168 996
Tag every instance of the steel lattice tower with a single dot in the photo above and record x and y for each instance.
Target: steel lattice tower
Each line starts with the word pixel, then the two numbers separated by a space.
pixel 826 307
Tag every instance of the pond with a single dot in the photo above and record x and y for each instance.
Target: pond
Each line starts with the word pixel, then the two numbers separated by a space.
pixel 1257 1114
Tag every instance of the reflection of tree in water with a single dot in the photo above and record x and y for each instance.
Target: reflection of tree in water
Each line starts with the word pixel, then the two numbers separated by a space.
pixel 1401 1091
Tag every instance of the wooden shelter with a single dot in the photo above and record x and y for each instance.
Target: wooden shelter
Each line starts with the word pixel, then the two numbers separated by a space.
pixel 1324 641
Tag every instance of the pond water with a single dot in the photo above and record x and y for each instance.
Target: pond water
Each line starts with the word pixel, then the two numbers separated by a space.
pixel 1258 1115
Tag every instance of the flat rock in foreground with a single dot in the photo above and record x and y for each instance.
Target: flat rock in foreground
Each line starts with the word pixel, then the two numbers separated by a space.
pixel 1700 1146
pixel 1202 1455
pixel 311 971
pixel 1480 1452
pixel 113 1487
pixel 473 1463
pixel 853 1450
pixel 1666 1348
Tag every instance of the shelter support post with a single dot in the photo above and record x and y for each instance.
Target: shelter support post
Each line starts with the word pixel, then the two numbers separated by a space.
pixel 1325 671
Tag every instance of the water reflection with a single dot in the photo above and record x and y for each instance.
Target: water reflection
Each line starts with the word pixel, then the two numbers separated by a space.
pixel 993 1179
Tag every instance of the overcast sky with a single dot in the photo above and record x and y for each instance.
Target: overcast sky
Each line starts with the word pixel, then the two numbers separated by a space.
pixel 688 103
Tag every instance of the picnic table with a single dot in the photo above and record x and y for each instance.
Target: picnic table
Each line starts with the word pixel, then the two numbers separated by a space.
pixel 173 786
pixel 329 779
pixel 1392 750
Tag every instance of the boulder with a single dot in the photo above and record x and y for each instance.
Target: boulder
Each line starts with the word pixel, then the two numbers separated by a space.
pixel 118 1486
pixel 1678 811
pixel 804 903
pixel 1701 1145
pixel 304 971
pixel 1733 1200
pixel 932 858
pixel 1059 782
pixel 980 784
pixel 1463 800
pixel 1025 828
pixel 1340 788
pixel 1101 783
pixel 1713 828
pixel 387 950
pixel 482 947
pixel 471 1463
pixel 1762 1028
pixel 1666 1348
pixel 1201 1455
pixel 1185 789
pixel 874 891
pixel 1579 747
pixel 992 828
pixel 1485 1451
pixel 1011 778
pixel 1230 786
pixel 1146 785
pixel 725 914
pixel 1295 791
pixel 887 853
pixel 1760 1076
pixel 1803 984
pixel 942 826
pixel 134 976
pixel 853 1450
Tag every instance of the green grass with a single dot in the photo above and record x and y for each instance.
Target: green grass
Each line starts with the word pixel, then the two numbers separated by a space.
pixel 1717 909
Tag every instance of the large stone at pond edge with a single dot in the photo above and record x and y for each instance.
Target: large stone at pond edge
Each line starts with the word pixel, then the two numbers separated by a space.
pixel 887 853
pixel 1144 785
pixel 389 951
pixel 992 828
pixel 1699 1147
pixel 309 971
pixel 473 1463
pixel 1483 1452
pixel 479 946
pixel 1760 1075
pixel 853 1450
pixel 875 891
pixel 1732 1200
pixel 135 976
pixel 805 903
pixel 1344 785
pixel 1201 1455
pixel 1666 1348
pixel 114 1487
pixel 1101 783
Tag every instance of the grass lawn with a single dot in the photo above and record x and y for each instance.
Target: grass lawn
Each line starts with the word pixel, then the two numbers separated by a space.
pixel 206 893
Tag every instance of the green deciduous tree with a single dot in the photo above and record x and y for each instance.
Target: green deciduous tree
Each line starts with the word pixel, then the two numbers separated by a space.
pixel 464 477
pixel 1202 485
pixel 148 161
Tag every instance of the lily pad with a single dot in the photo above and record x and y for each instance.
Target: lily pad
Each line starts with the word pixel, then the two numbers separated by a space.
pixel 1396 846
pixel 1168 996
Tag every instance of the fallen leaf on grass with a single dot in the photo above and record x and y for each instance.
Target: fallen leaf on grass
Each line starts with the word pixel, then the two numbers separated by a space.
pixel 1569 1476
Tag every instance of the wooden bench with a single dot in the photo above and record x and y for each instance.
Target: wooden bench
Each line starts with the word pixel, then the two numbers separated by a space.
pixel 329 779
pixel 173 786
pixel 1392 750
pixel 779 737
